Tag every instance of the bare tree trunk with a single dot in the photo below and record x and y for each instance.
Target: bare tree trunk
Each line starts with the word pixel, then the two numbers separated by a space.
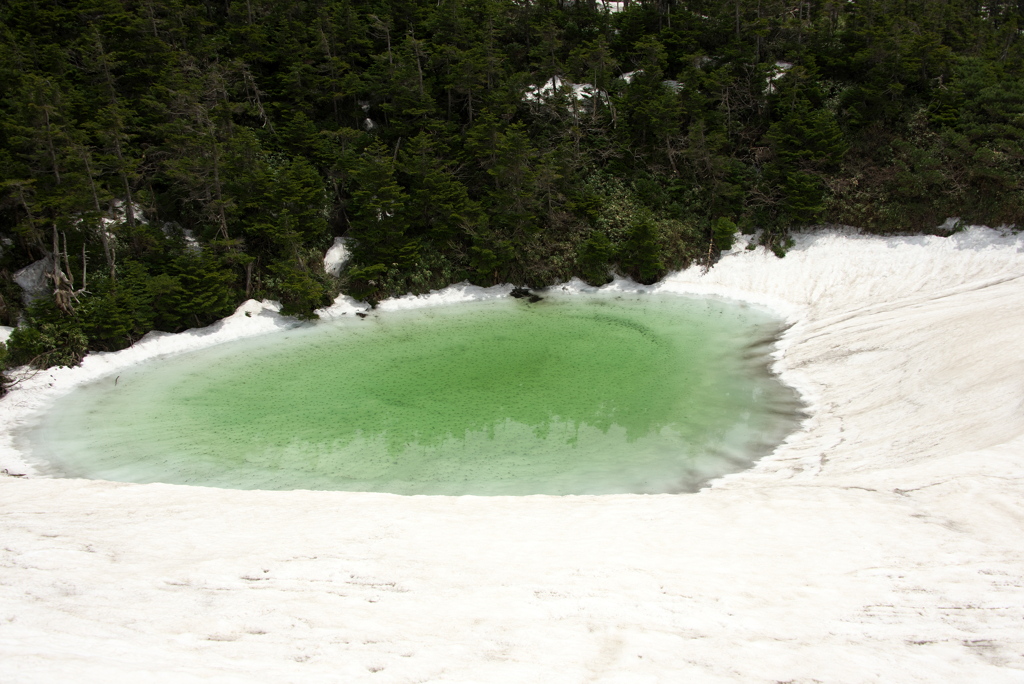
pixel 36 239
pixel 217 186
pixel 49 143
pixel 334 75
pixel 129 200
pixel 417 51
pixel 64 292
pixel 108 248
pixel 248 279
pixel 250 82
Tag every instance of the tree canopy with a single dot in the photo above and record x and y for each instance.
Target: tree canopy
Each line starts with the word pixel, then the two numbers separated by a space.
pixel 171 158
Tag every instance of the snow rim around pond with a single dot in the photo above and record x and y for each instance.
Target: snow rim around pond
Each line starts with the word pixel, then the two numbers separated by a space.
pixel 881 542
pixel 35 391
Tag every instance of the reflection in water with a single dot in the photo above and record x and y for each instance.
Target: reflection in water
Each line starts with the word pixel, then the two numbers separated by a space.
pixel 581 394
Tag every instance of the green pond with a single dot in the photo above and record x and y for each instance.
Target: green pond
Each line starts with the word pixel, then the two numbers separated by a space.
pixel 576 394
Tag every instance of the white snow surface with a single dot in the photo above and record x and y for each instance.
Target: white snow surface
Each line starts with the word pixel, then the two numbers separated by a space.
pixel 881 543
pixel 336 256
pixel 778 71
pixel 556 85
pixel 5 333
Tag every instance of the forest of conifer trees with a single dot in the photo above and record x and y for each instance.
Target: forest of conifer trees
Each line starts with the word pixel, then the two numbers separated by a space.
pixel 163 160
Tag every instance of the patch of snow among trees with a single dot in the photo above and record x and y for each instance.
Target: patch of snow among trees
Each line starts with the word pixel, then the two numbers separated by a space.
pixel 777 71
pixel 335 258
pixel 556 86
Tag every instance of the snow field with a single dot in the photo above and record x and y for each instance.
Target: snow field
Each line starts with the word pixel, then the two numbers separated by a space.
pixel 882 543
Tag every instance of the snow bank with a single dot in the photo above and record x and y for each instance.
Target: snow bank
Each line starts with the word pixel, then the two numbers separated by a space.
pixel 336 257
pixel 881 543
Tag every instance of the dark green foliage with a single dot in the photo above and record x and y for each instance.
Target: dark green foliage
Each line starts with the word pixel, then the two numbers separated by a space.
pixel 5 364
pixel 438 206
pixel 723 233
pixel 195 290
pixel 367 282
pixel 120 311
pixel 379 220
pixel 806 143
pixel 47 344
pixel 186 155
pixel 301 291
pixel 10 301
pixel 594 256
pixel 640 255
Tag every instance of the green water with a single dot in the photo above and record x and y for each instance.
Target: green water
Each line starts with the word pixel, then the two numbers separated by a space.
pixel 571 395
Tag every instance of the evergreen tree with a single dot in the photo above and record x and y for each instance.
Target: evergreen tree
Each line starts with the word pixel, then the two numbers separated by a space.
pixel 186 155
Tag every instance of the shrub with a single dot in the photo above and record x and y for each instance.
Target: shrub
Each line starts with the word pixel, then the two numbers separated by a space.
pixel 723 233
pixel 49 344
